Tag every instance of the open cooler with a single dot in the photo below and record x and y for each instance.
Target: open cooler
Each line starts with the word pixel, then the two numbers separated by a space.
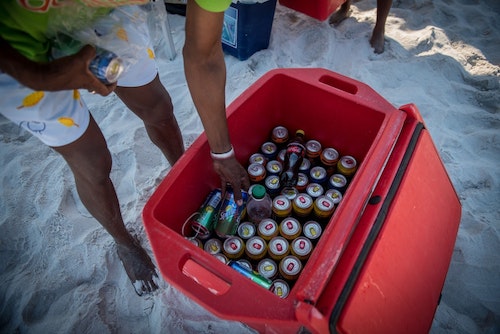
pixel 381 262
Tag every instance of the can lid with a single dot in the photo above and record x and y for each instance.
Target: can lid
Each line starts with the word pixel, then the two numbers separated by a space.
pixel 348 161
pixel 315 189
pixel 267 226
pixel 256 245
pixel 302 246
pixel 233 245
pixel 338 180
pixel 256 169
pixel 313 146
pixel 303 200
pixel 259 191
pixel 291 265
pixel 281 202
pixel 257 158
pixel 280 288
pixel 246 230
pixel 335 195
pixel 290 225
pixel 324 203
pixel 268 147
pixel 267 268
pixel 312 229
pixel 274 166
pixel 272 182
pixel 278 245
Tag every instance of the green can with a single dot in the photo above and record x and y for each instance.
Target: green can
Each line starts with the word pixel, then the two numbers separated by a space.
pixel 230 215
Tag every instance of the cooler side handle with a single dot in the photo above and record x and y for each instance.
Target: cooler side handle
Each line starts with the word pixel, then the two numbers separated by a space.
pixel 205 278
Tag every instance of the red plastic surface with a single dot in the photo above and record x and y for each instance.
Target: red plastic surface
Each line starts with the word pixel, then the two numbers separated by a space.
pixel 318 9
pixel 337 111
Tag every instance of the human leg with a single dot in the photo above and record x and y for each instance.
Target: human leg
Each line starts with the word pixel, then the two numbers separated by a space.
pixel 341 14
pixel 377 39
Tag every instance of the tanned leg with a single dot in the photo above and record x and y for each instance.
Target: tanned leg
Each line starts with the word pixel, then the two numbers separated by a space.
pixel 341 14
pixel 377 39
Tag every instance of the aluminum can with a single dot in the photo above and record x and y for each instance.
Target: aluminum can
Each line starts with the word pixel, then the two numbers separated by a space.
pixel 221 257
pixel 233 247
pixel 312 230
pixel 204 222
pixel 347 165
pixel 318 174
pixel 272 184
pixel 315 190
pixel 313 149
pixel 281 156
pixel 246 230
pixel 290 267
pixel 305 166
pixel 278 248
pixel 302 182
pixel 323 207
pixel 106 66
pixel 290 228
pixel 282 207
pixel 290 192
pixel 280 288
pixel 335 195
pixel 257 158
pixel 245 263
pixel 254 276
pixel 267 229
pixel 279 135
pixel 256 172
pixel 329 158
pixel 302 248
pixel 213 246
pixel 256 248
pixel 302 205
pixel 274 167
pixel 267 268
pixel 269 150
pixel 337 181
pixel 195 241
pixel 230 215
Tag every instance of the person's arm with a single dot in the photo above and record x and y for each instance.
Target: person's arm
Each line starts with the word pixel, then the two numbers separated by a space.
pixel 205 71
pixel 62 74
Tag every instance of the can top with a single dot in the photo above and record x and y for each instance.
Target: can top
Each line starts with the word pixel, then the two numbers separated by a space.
pixel 274 166
pixel 269 148
pixel 315 189
pixel 290 265
pixel 114 70
pixel 267 227
pixel 272 182
pixel 267 268
pixel 280 134
pixel 213 246
pixel 290 226
pixel 338 180
pixel 257 158
pixel 280 288
pixel 312 229
pixel 290 192
pixel 303 201
pixel 313 146
pixel 256 245
pixel 335 195
pixel 305 165
pixel 318 173
pixel 281 202
pixel 324 203
pixel 348 161
pixel 233 245
pixel 278 245
pixel 256 169
pixel 302 246
pixel 246 230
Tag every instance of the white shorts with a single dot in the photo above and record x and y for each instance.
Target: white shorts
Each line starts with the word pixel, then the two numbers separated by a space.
pixel 60 118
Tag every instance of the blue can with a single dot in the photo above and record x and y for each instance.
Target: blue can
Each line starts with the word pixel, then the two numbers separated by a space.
pixel 106 66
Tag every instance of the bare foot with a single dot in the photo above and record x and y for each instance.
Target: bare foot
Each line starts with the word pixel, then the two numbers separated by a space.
pixel 377 42
pixel 140 269
pixel 341 14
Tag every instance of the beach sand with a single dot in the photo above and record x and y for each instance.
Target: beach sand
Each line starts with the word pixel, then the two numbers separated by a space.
pixel 59 269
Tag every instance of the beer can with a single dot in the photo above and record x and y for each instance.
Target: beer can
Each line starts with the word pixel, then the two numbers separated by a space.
pixel 302 205
pixel 256 248
pixel 302 248
pixel 267 268
pixel 281 156
pixel 347 165
pixel 318 174
pixel 290 192
pixel 278 248
pixel 329 158
pixel 267 229
pixel 233 247
pixel 272 184
pixel 290 228
pixel 312 230
pixel 323 207
pixel 274 167
pixel 269 150
pixel 256 172
pixel 279 135
pixel 203 223
pixel 282 207
pixel 314 190
pixel 245 263
pixel 257 158
pixel 106 66
pixel 280 288
pixel 305 166
pixel 302 182
pixel 290 267
pixel 254 276
pixel 230 215
pixel 213 246
pixel 195 241
pixel 246 230
pixel 338 181
pixel 335 195
pixel 221 257
pixel 313 149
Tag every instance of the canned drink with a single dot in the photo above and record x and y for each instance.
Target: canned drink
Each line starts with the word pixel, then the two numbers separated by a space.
pixel 302 248
pixel 278 248
pixel 302 205
pixel 257 158
pixel 282 207
pixel 315 190
pixel 313 149
pixel 335 195
pixel 204 222
pixel 213 246
pixel 305 166
pixel 254 276
pixel 329 158
pixel 267 268
pixel 312 230
pixel 233 247
pixel 290 267
pixel 245 263
pixel 230 215
pixel 256 248
pixel 246 230
pixel 279 135
pixel 323 207
pixel 269 149
pixel 347 165
pixel 221 257
pixel 280 288
pixel 290 228
pixel 290 192
pixel 338 181
pixel 195 241
pixel 106 66
pixel 256 172
pixel 302 182
pixel 267 229
pixel 274 167
pixel 281 156
pixel 272 184
pixel 318 174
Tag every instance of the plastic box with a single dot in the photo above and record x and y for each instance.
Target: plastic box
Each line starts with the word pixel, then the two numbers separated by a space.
pixel 382 260
pixel 247 28
pixel 318 9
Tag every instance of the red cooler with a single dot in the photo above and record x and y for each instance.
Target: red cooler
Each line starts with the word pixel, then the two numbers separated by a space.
pixel 382 259
pixel 318 9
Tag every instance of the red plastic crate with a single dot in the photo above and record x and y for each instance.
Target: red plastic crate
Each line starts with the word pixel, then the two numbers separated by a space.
pixel 380 265
pixel 318 9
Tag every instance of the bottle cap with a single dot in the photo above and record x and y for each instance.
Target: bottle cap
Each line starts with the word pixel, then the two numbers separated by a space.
pixel 259 191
